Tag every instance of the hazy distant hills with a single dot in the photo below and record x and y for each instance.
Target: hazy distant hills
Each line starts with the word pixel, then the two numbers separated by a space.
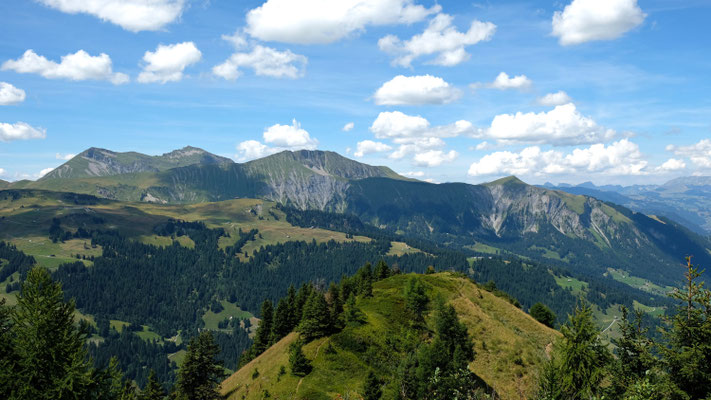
pixel 686 200
pixel 583 232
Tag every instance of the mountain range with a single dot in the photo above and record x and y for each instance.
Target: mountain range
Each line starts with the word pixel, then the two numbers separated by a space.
pixel 588 233
pixel 686 199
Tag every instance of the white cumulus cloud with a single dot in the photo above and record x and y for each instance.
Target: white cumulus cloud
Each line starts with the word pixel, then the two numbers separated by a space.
pixel 699 153
pixel 10 95
pixel 588 20
pixel 265 61
pixel 671 165
pixel 416 90
pixel 45 171
pixel 348 127
pixel 20 131
pixel 434 158
pixel 77 67
pixel 554 99
pixel 132 15
pixel 564 125
pixel 440 38
pixel 619 158
pixel 403 127
pixel 277 138
pixel 67 156
pixel 504 82
pixel 327 21
pixel 2 172
pixel 168 62
pixel 369 146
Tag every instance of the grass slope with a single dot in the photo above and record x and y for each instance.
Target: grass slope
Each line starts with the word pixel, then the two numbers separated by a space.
pixel 510 346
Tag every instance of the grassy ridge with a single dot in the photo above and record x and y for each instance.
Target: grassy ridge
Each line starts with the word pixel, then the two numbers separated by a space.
pixel 510 346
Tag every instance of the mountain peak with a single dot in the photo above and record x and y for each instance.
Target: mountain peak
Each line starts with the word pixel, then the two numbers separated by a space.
pixel 509 180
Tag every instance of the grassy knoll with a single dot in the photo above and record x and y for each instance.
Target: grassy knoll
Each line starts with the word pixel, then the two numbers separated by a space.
pixel 509 344
pixel 576 286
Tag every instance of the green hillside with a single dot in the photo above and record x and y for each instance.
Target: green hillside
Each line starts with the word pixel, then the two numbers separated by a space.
pixel 510 346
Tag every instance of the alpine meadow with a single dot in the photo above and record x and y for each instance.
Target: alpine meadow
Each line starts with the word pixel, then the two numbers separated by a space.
pixel 355 199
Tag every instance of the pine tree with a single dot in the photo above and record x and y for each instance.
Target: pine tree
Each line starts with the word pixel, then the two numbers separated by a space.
pixel 294 314
pixel 352 314
pixel 52 360
pixel 371 389
pixel 201 373
pixel 634 352
pixel 364 278
pixel 299 364
pixel 153 389
pixel 8 358
pixel 583 357
pixel 316 319
pixel 263 337
pixel 333 297
pixel 415 298
pixel 282 321
pixel 541 313
pixel 382 270
pixel 688 356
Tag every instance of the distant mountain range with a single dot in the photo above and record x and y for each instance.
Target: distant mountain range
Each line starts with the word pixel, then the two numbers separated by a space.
pixel 686 200
pixel 585 233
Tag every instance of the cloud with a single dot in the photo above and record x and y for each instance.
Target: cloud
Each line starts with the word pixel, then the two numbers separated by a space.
pixel 10 95
pixel 265 61
pixel 67 156
pixel 434 158
pixel 504 82
pixel 369 146
pixel 45 172
pixel 2 172
pixel 132 15
pixel 413 174
pixel 415 135
pixel 619 158
pixel 440 38
pixel 699 153
pixel 563 125
pixel 671 165
pixel 348 127
pixel 588 20
pixel 20 131
pixel 327 21
pixel 416 90
pixel 277 138
pixel 168 62
pixel 405 128
pixel 554 99
pixel 76 67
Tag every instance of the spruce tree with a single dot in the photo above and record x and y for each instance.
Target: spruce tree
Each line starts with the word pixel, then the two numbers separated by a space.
pixel 201 373
pixel 364 278
pixel 316 319
pixel 371 389
pixel 263 337
pixel 153 389
pixel 299 364
pixel 282 321
pixel 541 313
pixel 415 298
pixel 8 358
pixel 634 352
pixel 52 362
pixel 294 314
pixel 351 313
pixel 688 356
pixel 583 357
pixel 336 304
pixel 382 270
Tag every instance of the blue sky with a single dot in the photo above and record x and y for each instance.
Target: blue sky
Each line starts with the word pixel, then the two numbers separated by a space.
pixel 420 81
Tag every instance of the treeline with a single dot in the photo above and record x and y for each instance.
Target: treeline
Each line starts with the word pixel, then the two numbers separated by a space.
pixel 43 355
pixel 678 367
pixel 16 261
